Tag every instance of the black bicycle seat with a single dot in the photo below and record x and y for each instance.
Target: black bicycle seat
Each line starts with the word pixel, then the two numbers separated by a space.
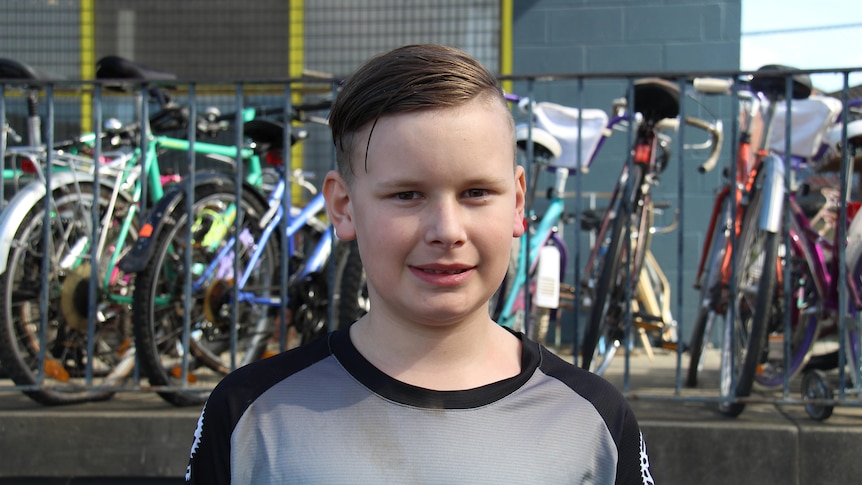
pixel 770 80
pixel 268 134
pixel 11 69
pixel 656 99
pixel 116 67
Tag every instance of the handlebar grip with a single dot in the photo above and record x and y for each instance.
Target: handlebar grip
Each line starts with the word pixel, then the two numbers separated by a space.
pixel 716 133
pixel 712 85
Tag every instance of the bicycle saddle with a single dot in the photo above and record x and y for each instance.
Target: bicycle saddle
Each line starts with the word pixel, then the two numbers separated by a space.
pixel 545 146
pixel 116 67
pixel 656 99
pixel 770 80
pixel 11 69
pixel 268 134
pixel 561 123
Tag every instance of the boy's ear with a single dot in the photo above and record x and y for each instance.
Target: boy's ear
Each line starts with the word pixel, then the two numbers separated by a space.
pixel 520 201
pixel 338 205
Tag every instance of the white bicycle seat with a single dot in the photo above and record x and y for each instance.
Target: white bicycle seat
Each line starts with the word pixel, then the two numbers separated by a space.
pixel 562 122
pixel 811 119
pixel 833 136
pixel 542 141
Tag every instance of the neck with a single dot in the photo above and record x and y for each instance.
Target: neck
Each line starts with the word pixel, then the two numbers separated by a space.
pixel 447 357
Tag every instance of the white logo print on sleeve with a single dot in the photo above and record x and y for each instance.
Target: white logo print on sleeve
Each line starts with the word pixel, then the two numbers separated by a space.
pixel 646 475
pixel 196 442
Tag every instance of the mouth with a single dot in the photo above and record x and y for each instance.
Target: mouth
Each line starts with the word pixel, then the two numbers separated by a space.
pixel 444 271
pixel 444 275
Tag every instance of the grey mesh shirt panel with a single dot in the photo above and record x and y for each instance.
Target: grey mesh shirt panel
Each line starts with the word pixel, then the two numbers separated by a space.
pixel 363 427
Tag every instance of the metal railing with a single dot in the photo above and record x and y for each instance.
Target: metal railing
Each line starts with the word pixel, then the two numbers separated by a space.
pixel 689 192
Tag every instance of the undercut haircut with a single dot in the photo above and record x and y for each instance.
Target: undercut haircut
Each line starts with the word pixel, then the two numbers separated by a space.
pixel 409 78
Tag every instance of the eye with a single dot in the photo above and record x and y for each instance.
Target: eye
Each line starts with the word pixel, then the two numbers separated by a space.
pixel 407 195
pixel 476 193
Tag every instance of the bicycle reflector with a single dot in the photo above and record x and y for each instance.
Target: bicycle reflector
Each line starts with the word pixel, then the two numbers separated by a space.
pixel 28 166
pixel 273 158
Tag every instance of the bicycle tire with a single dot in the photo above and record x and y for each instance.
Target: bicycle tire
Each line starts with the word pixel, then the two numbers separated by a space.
pixel 158 300
pixel 755 286
pixel 66 346
pixel 350 288
pixel 804 320
pixel 610 292
pixel 712 296
pixel 612 333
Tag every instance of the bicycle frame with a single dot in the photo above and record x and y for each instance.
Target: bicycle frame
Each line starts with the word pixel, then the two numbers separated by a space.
pixel 545 231
pixel 314 262
pixel 155 187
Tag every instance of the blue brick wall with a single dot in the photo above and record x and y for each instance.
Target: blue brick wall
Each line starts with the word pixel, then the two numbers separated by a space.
pixel 635 36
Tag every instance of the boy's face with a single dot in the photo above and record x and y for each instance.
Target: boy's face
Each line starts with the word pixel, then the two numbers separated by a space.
pixel 435 212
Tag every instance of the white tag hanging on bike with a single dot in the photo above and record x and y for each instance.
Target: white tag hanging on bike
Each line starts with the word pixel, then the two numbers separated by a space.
pixel 548 278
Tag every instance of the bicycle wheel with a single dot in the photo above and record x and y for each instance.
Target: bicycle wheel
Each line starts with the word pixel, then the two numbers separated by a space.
pixel 713 296
pixel 350 289
pixel 62 377
pixel 618 269
pixel 804 307
pixel 159 297
pixel 743 341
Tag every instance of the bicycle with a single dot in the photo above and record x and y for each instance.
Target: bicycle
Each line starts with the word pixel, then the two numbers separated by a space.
pixel 17 171
pixel 624 236
pixel 47 333
pixel 759 313
pixel 816 287
pixel 234 258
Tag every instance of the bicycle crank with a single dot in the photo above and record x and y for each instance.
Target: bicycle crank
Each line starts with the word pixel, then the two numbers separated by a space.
pixel 217 302
pixel 75 297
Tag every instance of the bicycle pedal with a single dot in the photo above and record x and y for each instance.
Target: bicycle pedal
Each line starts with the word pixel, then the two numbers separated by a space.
pixel 55 370
pixel 670 346
pixel 177 373
pixel 269 353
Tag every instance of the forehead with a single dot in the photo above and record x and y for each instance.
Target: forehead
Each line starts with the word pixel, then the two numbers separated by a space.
pixel 450 145
pixel 485 123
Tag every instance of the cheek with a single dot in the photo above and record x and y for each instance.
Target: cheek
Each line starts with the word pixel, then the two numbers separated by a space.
pixel 382 233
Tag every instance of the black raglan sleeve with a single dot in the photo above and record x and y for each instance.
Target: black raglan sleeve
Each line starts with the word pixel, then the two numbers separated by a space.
pixel 633 467
pixel 209 462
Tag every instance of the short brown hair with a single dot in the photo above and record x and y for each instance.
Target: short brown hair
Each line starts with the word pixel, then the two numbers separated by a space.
pixel 409 78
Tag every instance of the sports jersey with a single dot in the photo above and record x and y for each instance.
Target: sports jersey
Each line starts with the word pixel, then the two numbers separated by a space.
pixel 322 414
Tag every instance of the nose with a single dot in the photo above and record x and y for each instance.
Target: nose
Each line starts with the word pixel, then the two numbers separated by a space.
pixel 446 224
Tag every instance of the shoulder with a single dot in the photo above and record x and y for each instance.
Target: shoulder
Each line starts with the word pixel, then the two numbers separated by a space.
pixel 243 386
pixel 615 411
pixel 585 383
pixel 607 400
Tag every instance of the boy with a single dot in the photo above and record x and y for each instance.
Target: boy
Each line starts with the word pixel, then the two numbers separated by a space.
pixel 425 388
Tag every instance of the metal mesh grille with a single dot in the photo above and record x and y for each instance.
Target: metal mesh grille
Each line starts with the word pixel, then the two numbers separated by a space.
pixel 339 34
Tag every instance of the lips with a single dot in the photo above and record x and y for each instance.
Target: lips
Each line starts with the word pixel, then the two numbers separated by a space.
pixel 443 275
pixel 443 271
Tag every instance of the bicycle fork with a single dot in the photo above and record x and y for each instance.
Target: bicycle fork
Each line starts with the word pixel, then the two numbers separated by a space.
pixel 770 217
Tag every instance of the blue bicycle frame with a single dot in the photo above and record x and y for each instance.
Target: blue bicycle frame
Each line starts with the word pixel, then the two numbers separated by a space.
pixel 314 262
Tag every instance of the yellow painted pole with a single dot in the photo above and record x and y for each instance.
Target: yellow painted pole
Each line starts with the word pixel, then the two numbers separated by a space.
pixel 506 13
pixel 296 60
pixel 88 60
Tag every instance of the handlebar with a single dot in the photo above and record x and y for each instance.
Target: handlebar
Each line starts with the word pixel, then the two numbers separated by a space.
pixel 712 85
pixel 10 132
pixel 716 135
